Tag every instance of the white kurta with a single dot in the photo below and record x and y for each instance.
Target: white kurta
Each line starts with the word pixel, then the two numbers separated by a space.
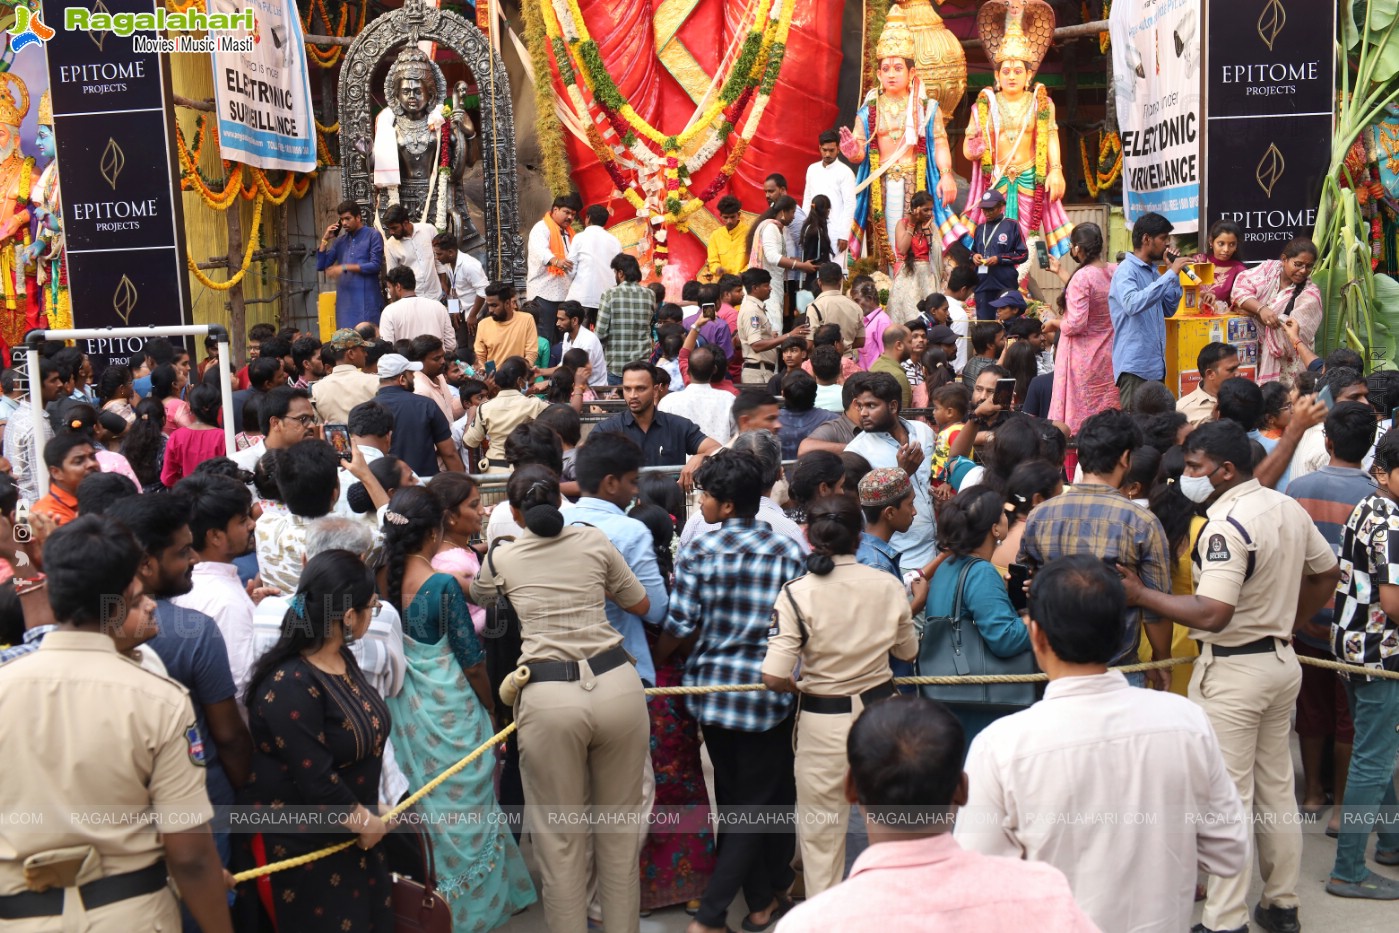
pixel 837 182
pixel 539 282
pixel 1122 789
pixel 591 253
pixel 415 252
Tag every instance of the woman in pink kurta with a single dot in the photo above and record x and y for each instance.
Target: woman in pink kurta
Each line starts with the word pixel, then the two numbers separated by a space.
pixel 1083 383
pixel 876 320
pixel 1273 292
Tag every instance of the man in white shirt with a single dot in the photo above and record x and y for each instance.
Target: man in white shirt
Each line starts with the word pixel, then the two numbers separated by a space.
pixel 221 524
pixel 577 336
pixel 465 279
pixel 887 440
pixel 591 253
pixel 409 244
pixel 410 315
pixel 961 285
pixel 706 406
pixel 1346 385
pixel 550 271
pixel 379 652
pixel 1063 782
pixel 784 284
pixel 836 181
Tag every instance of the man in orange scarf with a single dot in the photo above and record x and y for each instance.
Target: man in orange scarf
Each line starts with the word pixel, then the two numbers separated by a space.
pixel 550 271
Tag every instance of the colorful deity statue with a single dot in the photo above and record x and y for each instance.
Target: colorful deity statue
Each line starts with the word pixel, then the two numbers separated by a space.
pixel 938 55
pixel 20 310
pixel 47 253
pixel 1012 138
pixel 899 147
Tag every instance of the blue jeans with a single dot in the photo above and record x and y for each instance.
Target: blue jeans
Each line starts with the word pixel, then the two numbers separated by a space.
pixel 1370 785
pixel 1137 679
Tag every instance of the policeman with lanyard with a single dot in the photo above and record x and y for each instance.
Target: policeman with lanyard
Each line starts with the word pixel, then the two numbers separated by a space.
pixel 997 249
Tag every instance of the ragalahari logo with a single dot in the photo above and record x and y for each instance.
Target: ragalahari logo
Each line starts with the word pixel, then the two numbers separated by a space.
pixel 29 29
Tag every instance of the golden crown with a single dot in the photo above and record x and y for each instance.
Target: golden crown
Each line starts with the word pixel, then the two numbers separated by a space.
pixel 11 112
pixel 46 108
pixel 1016 30
pixel 896 41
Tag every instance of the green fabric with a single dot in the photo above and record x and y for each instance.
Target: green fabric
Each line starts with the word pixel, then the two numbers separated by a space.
pixel 437 718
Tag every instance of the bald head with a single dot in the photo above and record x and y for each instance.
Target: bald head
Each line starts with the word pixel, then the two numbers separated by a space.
pixel 702 365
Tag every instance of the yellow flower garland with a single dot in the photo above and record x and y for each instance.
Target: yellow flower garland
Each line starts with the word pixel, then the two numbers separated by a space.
pixel 247 256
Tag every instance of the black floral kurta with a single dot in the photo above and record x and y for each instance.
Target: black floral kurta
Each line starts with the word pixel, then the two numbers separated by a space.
pixel 319 743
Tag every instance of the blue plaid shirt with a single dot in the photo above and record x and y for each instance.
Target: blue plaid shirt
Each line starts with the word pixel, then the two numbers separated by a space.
pixel 726 589
pixel 32 638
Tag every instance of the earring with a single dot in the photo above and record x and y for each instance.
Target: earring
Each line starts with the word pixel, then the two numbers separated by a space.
pixel 348 633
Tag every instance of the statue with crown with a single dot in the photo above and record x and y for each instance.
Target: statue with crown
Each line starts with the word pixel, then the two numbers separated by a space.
pixel 1012 138
pixel 904 182
pixel 20 311
pixel 47 253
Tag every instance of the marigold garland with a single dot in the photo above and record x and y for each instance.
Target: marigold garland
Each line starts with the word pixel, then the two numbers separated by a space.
pixel 236 277
pixel 1109 163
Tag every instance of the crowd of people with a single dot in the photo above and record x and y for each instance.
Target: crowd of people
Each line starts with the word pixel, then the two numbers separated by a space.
pixel 780 481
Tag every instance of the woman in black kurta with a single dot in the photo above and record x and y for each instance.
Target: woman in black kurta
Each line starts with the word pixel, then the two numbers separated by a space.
pixel 318 733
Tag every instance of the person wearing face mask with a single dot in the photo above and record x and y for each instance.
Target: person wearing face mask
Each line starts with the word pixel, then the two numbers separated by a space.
pixel 1260 565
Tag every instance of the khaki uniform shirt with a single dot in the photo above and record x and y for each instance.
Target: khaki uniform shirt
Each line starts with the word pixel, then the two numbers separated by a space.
pixel 341 389
pixel 1285 544
pixel 835 308
pixel 853 617
pixel 753 325
pixel 498 417
pixel 558 587
pixel 1198 407
pixel 107 752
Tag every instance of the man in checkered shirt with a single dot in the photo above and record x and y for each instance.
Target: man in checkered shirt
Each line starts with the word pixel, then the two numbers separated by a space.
pixel 726 587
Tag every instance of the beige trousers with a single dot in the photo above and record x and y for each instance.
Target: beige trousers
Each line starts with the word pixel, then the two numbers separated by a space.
pixel 823 813
pixel 1249 700
pixel 584 744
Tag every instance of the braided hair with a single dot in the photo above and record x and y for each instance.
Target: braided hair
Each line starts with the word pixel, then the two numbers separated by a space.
pixel 414 514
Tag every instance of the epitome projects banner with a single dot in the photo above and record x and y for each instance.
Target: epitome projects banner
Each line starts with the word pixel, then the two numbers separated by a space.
pixel 1156 73
pixel 263 97
pixel 1271 80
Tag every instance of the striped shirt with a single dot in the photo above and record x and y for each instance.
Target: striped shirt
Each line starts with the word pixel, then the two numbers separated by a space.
pixel 726 590
pixel 1329 496
pixel 624 324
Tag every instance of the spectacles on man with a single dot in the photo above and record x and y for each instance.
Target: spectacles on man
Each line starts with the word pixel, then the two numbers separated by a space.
pixel 305 421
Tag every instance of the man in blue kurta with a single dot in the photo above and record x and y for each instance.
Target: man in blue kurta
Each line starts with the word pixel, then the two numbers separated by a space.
pixel 354 259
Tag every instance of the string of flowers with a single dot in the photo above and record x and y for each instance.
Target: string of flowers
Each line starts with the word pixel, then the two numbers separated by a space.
pixel 237 276
pixel 1041 155
pixel 1109 163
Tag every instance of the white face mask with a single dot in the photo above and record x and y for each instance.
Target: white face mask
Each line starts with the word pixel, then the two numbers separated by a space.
pixel 1196 488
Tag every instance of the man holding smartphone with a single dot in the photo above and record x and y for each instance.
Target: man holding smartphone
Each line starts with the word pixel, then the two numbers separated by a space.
pixel 1140 300
pixel 352 254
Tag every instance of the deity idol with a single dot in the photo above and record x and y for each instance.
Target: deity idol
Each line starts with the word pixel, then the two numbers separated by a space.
pixel 1012 138
pixel 408 141
pixel 899 146
pixel 47 252
pixel 21 292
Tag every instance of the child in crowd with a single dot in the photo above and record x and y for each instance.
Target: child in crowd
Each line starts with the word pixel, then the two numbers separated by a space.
pixel 669 360
pixel 825 367
pixel 951 404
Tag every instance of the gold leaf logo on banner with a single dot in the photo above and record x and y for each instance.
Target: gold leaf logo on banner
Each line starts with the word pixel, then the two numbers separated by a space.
pixel 113 161
pixel 99 37
pixel 1270 169
pixel 124 299
pixel 1271 21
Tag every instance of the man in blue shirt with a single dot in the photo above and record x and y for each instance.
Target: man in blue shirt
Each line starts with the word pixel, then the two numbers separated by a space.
pixel 1140 300
pixel 353 254
pixel 607 467
pixel 997 249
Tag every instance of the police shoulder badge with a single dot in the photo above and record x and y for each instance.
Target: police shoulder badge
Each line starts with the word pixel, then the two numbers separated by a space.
pixel 196 746
pixel 1218 549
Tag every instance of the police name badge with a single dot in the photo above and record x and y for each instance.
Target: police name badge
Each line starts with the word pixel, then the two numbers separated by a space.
pixel 196 747
pixel 1218 549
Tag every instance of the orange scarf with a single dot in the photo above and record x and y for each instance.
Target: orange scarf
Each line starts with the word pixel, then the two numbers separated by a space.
pixel 557 246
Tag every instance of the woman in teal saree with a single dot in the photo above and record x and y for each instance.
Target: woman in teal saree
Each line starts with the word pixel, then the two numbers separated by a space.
pixel 444 710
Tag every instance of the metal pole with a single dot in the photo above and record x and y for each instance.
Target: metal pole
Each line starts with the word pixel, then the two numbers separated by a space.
pixel 36 410
pixel 225 385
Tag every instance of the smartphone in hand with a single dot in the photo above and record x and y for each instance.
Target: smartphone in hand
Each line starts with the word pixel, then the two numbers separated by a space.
pixel 1005 393
pixel 338 435
pixel 1042 254
pixel 1015 586
pixel 1326 397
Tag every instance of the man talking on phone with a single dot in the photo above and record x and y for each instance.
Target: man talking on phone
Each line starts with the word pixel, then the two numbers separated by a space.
pixel 1140 300
pixel 352 254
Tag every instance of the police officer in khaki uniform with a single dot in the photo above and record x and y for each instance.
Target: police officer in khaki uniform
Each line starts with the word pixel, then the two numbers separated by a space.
pixel 1260 565
pixel 103 794
pixel 507 411
pixel 757 341
pixel 841 621
pixel 584 729
pixel 833 307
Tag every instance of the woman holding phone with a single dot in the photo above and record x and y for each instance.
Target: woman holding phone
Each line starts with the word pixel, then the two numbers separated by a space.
pixel 1273 293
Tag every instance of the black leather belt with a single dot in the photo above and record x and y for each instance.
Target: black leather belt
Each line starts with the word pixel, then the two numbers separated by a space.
pixel 759 366
pixel 95 894
pixel 568 671
pixel 810 703
pixel 1266 645
pixel 498 463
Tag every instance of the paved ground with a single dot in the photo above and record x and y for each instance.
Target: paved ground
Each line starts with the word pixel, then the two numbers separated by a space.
pixel 1320 911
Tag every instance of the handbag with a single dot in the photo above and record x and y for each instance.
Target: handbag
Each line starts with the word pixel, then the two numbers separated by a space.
pixel 417 907
pixel 951 647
